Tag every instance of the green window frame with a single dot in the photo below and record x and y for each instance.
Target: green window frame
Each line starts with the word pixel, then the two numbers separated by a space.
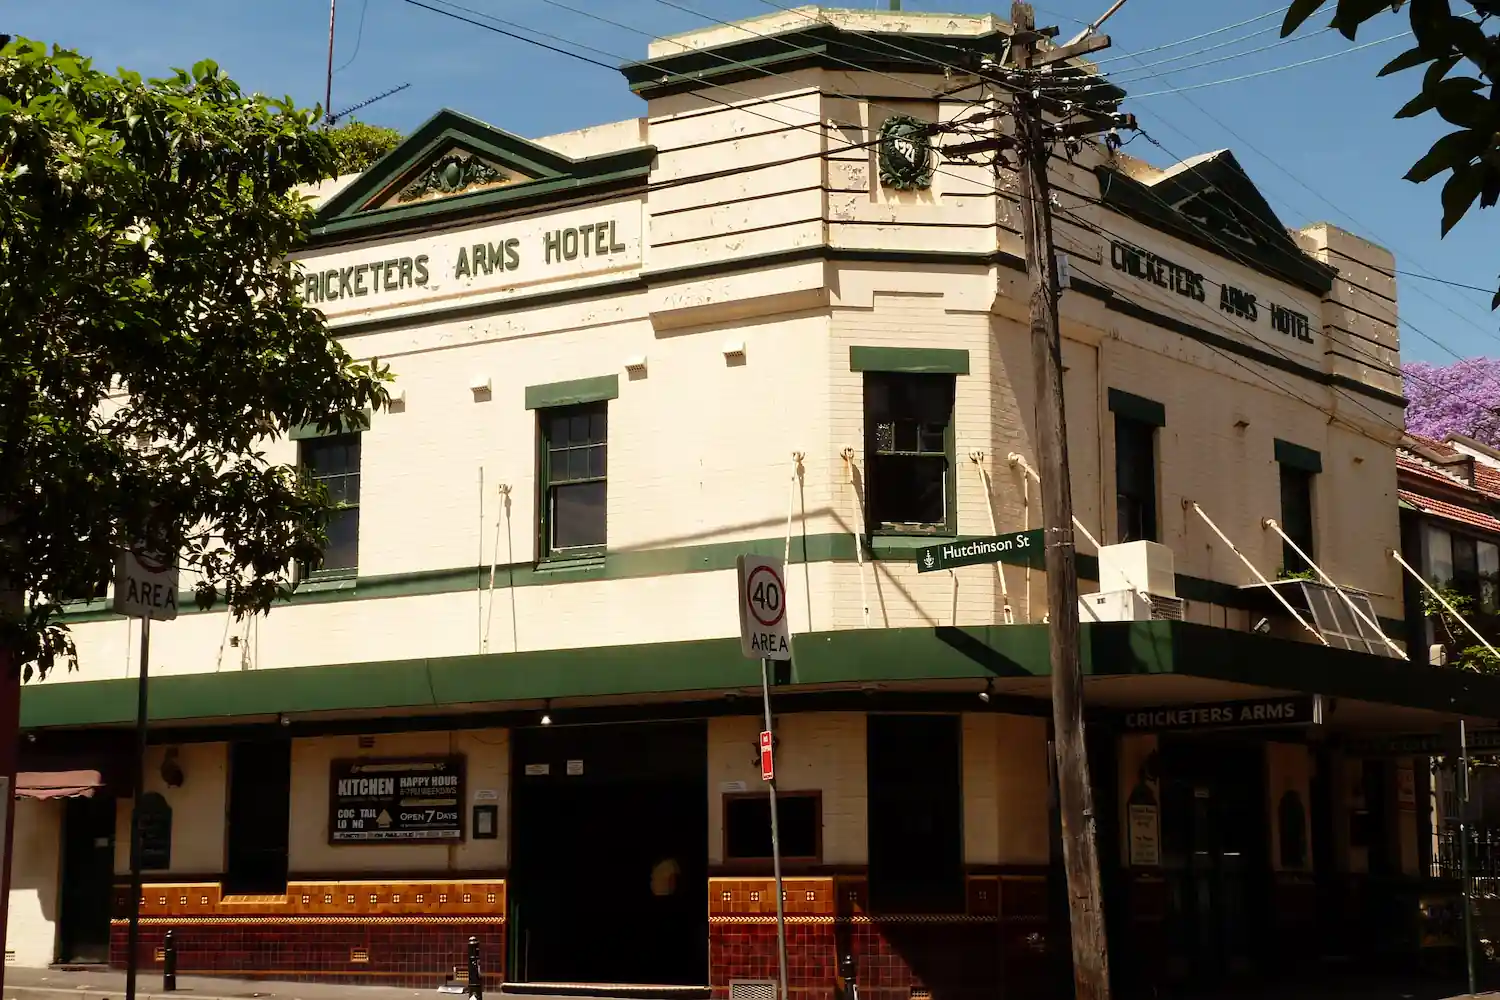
pixel 573 480
pixel 910 481
pixel 333 461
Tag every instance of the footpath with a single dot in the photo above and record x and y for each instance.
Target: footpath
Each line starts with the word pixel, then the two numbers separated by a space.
pixel 106 984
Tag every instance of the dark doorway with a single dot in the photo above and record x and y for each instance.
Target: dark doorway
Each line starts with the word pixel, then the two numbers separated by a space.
pixel 1215 851
pixel 88 876
pixel 260 791
pixel 915 781
pixel 609 854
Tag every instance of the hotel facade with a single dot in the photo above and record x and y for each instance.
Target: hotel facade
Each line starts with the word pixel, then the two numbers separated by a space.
pixel 511 703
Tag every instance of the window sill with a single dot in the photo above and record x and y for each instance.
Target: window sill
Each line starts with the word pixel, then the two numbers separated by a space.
pixel 323 584
pixel 562 564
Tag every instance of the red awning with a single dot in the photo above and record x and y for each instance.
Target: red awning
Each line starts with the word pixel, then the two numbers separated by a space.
pixel 57 784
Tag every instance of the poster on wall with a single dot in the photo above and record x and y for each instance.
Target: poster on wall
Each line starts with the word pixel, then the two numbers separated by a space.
pixel 410 799
pixel 1145 837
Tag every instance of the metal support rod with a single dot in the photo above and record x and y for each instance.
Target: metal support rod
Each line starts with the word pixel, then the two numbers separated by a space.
pixel 1193 506
pixel 168 963
pixel 1443 601
pixel 1270 522
pixel 1020 460
pixel 765 691
pixel 133 937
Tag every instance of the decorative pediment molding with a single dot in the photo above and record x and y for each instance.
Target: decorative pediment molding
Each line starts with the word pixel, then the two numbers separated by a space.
pixel 455 166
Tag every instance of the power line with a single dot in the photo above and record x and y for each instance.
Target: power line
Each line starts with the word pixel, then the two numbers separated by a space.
pixel 1195 38
pixel 510 34
pixel 359 37
pixel 1274 69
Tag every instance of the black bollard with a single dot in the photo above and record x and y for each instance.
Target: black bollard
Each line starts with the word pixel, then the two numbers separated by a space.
pixel 848 969
pixel 169 964
pixel 476 978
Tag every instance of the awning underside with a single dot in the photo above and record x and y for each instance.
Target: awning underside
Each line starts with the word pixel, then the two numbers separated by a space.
pixel 57 784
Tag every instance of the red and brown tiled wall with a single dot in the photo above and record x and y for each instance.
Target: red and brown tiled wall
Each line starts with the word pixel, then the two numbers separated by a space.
pixel 410 933
pixel 1001 938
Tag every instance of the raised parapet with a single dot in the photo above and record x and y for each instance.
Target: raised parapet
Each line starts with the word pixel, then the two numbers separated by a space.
pixel 1359 312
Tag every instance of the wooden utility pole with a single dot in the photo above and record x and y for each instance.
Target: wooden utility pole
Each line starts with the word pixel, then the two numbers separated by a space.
pixel 1033 140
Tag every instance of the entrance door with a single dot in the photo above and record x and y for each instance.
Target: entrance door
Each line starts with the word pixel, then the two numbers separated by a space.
pixel 88 875
pixel 610 854
pixel 1215 850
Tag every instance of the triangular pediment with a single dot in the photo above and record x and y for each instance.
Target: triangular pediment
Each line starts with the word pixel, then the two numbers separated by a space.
pixel 454 165
pixel 1211 201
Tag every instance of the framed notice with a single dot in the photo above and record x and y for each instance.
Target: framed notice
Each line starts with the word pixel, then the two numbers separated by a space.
pixel 408 800
pixel 1145 836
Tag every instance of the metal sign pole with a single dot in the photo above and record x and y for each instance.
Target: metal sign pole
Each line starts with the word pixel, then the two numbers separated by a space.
pixel 765 688
pixel 133 938
pixel 1463 849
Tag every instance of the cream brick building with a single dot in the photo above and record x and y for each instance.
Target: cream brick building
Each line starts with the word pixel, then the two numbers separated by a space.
pixel 627 355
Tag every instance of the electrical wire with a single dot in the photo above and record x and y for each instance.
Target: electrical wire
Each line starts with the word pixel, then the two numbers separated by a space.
pixel 1273 69
pixel 1208 62
pixel 359 37
pixel 1200 37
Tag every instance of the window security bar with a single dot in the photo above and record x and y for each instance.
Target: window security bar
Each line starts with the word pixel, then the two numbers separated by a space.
pixel 1270 522
pixel 1193 506
pixel 1442 600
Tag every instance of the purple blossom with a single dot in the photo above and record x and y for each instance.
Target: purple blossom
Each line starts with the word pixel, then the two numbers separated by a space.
pixel 1461 398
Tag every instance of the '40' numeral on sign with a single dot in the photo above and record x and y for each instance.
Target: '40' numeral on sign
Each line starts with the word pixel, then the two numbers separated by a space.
pixel 767 596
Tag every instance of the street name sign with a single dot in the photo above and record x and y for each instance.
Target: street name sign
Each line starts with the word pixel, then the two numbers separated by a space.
pixel 764 634
pixel 145 586
pixel 1013 547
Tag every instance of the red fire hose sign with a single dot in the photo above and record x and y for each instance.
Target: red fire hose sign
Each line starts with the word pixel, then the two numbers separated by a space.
pixel 767 760
pixel 762 605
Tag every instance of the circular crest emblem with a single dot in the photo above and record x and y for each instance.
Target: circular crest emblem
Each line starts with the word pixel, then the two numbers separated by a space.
pixel 905 153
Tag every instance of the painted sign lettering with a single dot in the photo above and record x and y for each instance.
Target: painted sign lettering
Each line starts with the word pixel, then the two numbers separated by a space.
pixel 1298 710
pixel 1159 271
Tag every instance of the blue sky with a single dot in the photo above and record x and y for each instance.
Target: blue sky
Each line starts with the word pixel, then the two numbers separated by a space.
pixel 1319 140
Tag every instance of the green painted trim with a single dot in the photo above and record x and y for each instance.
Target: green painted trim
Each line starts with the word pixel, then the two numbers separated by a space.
pixel 845 657
pixel 1298 457
pixel 307 432
pixel 643 563
pixel 911 360
pixel 1128 404
pixel 580 390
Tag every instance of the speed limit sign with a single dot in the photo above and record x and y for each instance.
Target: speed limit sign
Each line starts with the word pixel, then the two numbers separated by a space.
pixel 762 596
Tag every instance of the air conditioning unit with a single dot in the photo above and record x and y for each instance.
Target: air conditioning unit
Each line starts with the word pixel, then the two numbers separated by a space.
pixel 1143 566
pixel 1128 606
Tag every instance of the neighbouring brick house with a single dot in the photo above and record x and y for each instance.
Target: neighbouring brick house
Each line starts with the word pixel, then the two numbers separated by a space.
pixel 628 354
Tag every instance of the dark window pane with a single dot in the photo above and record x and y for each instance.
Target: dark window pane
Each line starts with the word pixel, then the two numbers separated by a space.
pixel 908 489
pixel 578 515
pixel 1296 517
pixel 747 826
pixel 578 428
pixel 557 429
pixel 596 461
pixel 907 417
pixel 343 540
pixel 1135 480
pixel 597 426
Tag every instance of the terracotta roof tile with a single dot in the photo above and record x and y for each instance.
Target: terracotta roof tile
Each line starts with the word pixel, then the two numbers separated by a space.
pixel 1487 479
pixel 1451 512
pixel 1419 465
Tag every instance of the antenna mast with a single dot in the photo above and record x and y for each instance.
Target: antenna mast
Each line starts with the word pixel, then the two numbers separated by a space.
pixel 328 87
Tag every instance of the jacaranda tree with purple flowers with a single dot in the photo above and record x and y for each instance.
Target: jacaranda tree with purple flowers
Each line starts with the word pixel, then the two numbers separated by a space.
pixel 1461 398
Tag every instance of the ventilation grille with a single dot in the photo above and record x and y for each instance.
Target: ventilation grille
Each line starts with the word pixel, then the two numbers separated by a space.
pixel 1165 609
pixel 752 989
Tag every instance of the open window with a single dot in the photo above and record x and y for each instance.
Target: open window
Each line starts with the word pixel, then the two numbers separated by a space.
pixel 909 452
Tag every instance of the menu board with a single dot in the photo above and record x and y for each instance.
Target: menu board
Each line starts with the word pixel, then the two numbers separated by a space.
pixel 410 799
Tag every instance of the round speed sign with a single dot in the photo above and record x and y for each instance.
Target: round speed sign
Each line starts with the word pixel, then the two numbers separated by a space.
pixel 765 595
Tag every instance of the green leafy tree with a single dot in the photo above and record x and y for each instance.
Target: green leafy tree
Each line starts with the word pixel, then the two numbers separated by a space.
pixel 357 144
pixel 1461 85
pixel 151 339
pixel 1467 655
